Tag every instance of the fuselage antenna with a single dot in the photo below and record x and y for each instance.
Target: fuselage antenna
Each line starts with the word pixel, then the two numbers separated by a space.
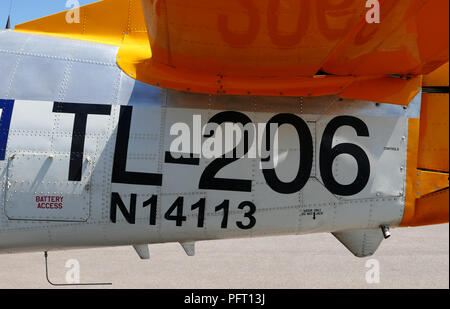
pixel 65 284
pixel 8 22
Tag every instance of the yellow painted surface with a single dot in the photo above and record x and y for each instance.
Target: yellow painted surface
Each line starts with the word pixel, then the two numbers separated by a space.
pixel 104 22
pixel 266 47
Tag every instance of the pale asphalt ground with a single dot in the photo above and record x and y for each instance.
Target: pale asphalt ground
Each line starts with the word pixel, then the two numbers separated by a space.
pixel 411 258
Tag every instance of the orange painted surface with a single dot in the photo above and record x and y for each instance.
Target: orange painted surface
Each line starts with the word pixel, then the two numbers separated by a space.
pixel 431 209
pixel 249 37
pixel 437 78
pixel 410 34
pixel 434 132
pixel 267 47
pixel 411 171
pixel 384 89
pixel 429 182
pixel 426 200
pixel 298 37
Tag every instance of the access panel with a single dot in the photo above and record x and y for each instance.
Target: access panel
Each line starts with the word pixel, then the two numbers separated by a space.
pixel 37 188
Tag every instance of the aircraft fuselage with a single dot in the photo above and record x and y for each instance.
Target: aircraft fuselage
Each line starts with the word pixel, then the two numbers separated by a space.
pixel 88 157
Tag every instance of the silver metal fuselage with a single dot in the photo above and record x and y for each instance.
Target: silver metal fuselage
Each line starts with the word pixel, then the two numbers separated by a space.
pixel 59 96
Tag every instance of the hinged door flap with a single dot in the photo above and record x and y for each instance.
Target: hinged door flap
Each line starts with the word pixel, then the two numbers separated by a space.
pixel 37 188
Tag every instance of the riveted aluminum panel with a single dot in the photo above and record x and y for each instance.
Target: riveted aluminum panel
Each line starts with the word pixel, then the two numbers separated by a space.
pixel 37 188
pixel 75 71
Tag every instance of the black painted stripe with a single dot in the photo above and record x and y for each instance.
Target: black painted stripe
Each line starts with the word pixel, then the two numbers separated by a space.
pixel 436 89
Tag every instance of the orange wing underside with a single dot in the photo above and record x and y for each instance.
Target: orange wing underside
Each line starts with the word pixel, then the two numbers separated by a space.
pixel 278 47
pixel 268 47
